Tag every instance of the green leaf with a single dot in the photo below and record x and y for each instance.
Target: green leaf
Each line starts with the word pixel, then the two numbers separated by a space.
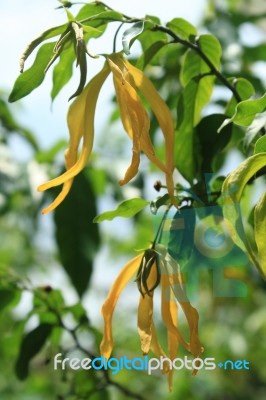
pixel 148 54
pixel 126 209
pixel 76 235
pixel 31 344
pixel 193 65
pixel 130 35
pixel 70 16
pixel 232 191
pixel 8 296
pixel 102 18
pixel 182 28
pixel 63 71
pixel 193 98
pixel 246 111
pixel 92 32
pixel 211 142
pixel 245 90
pixel 90 10
pixel 260 230
pixel 33 77
pixel 255 128
pixel 52 32
pixel 148 37
pixel 260 146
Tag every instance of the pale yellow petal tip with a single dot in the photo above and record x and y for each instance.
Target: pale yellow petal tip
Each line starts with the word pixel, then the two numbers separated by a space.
pixel 106 349
pixel 41 188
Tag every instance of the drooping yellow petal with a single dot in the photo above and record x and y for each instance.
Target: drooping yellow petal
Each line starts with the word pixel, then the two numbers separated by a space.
pixel 126 93
pixel 81 125
pixel 157 349
pixel 190 312
pixel 132 116
pixel 176 282
pixel 108 307
pixel 58 200
pixel 164 118
pixel 145 313
pixel 169 309
pixel 159 108
pixel 173 345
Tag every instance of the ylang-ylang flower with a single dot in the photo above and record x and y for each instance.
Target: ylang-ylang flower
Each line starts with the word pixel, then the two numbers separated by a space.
pixel 152 266
pixel 128 81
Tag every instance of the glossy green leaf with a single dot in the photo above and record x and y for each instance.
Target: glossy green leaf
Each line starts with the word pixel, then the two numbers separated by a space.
pixel 130 35
pixel 245 90
pixel 148 55
pixel 102 18
pixel 260 231
pixel 193 65
pixel 182 28
pixel 76 235
pixel 90 10
pixel 246 111
pixel 148 37
pixel 69 14
pixel 91 31
pixel 63 71
pixel 211 142
pixel 31 344
pixel 232 191
pixel 260 146
pixel 256 127
pixel 52 32
pixel 193 98
pixel 126 209
pixel 33 77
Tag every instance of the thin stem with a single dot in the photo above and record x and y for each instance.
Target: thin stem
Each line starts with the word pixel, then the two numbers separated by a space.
pixel 115 36
pixel 203 56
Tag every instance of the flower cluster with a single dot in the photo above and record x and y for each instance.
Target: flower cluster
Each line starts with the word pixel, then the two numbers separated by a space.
pixel 128 80
pixel 147 266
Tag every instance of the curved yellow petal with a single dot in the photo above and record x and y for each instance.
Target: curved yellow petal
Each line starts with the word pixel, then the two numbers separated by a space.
pixel 163 115
pixel 170 269
pixel 159 108
pixel 169 310
pixel 108 307
pixel 157 349
pixel 58 200
pixel 81 124
pixel 133 115
pixel 192 315
pixel 173 345
pixel 145 313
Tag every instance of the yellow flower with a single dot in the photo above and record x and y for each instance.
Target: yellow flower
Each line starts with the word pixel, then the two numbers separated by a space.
pixel 127 80
pixel 172 294
pixel 80 120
